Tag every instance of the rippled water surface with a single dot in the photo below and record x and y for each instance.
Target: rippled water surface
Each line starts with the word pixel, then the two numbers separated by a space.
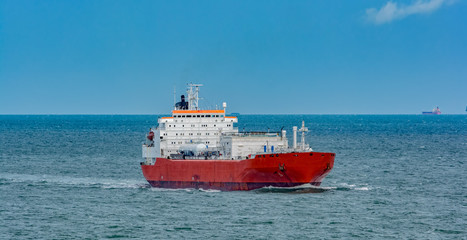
pixel 77 177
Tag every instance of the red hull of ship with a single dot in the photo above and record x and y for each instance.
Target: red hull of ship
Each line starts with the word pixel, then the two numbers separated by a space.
pixel 277 170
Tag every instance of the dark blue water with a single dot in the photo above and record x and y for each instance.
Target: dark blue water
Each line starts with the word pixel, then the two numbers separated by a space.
pixel 78 177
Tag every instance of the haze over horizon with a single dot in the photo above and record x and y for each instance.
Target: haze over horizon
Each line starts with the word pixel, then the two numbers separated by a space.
pixel 261 57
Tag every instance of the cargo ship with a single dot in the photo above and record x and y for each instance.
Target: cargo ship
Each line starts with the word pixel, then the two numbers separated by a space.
pixel 435 111
pixel 203 149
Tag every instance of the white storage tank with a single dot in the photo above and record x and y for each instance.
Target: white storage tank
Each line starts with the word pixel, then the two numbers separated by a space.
pixel 194 148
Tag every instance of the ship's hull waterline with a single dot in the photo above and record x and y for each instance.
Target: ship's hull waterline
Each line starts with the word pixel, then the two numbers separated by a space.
pixel 272 169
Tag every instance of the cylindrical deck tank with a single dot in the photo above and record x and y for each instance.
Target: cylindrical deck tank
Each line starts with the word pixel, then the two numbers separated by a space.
pixel 194 148
pixel 294 137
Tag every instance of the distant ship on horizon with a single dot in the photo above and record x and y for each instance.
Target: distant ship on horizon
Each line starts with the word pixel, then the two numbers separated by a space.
pixel 435 111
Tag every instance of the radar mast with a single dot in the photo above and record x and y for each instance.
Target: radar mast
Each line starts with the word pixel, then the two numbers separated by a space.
pixel 193 90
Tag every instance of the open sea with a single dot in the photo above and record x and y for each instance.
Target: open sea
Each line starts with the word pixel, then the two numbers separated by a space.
pixel 78 177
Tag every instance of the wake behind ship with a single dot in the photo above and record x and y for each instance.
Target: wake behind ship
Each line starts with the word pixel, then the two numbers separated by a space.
pixel 202 149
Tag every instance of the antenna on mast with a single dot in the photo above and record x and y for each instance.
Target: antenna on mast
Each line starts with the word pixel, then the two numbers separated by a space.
pixel 175 101
pixel 193 90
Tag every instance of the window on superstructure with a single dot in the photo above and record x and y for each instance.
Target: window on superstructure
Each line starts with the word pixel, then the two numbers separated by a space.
pixel 197 116
pixel 188 116
pixel 217 115
pixel 202 115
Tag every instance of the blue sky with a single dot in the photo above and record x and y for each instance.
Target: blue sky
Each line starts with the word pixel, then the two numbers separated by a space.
pixel 278 57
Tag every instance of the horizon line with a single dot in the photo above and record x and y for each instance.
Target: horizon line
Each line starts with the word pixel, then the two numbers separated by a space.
pixel 155 114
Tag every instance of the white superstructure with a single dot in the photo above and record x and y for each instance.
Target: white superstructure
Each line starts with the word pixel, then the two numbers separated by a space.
pixel 194 133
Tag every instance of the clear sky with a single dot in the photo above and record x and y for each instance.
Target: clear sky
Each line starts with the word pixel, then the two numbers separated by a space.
pixel 278 57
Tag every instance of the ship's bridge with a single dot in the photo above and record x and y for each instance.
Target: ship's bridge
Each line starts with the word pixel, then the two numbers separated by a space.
pixel 198 113
pixel 193 126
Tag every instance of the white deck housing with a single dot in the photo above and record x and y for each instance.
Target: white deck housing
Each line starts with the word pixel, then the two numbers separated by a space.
pixel 189 128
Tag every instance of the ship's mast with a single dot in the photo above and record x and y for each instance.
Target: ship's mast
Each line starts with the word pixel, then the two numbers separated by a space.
pixel 193 96
pixel 175 101
pixel 303 130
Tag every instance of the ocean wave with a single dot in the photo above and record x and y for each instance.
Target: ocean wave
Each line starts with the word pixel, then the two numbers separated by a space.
pixel 72 181
pixel 346 186
pixel 156 189
pixel 107 183
pixel 210 190
pixel 308 188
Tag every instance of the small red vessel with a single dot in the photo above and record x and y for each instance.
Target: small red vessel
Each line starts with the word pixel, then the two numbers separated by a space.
pixel 202 149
